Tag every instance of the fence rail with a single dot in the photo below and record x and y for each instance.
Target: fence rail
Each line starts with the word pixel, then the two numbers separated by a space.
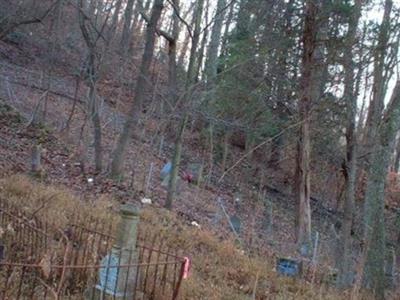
pixel 82 261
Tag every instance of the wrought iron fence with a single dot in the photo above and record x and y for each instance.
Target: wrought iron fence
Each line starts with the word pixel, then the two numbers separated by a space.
pixel 81 261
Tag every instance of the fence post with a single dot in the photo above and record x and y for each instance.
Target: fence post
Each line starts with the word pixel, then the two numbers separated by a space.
pixel 116 279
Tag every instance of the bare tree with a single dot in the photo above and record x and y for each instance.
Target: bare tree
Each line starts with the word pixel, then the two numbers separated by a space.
pixel 127 29
pixel 114 20
pixel 190 79
pixel 378 93
pixel 212 52
pixel 141 87
pixel 92 68
pixel 307 90
pixel 374 233
pixel 350 97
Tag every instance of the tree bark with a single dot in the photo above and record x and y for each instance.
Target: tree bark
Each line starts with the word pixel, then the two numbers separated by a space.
pixel 173 180
pixel 114 21
pixel 377 102
pixel 186 41
pixel 350 97
pixel 307 86
pixel 172 67
pixel 191 75
pixel 92 101
pixel 396 164
pixel 141 87
pixel 95 118
pixel 212 52
pixel 191 78
pixel 374 232
pixel 226 29
pixel 126 30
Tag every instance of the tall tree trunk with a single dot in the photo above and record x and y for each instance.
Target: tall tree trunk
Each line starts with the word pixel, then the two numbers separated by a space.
pixel 92 101
pixel 186 40
pixel 212 52
pixel 200 54
pixel 227 26
pixel 307 86
pixel 396 164
pixel 95 118
pixel 283 85
pixel 374 233
pixel 126 30
pixel 172 67
pixel 191 74
pixel 345 264
pixel 141 87
pixel 376 105
pixel 183 123
pixel 173 180
pixel 114 21
pixel 184 49
pixel 142 8
pixel 92 8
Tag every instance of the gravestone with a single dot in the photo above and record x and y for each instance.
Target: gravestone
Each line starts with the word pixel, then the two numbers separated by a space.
pixel 288 267
pixel 165 174
pixel 236 223
pixel 108 275
pixel 166 170
pixel 237 199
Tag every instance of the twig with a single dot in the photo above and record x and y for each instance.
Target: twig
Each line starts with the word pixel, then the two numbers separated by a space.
pixel 255 285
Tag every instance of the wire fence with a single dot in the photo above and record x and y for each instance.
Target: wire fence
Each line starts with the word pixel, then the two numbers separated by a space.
pixel 39 261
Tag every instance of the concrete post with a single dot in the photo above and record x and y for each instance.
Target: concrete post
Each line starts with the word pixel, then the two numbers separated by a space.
pixel 127 229
pixel 114 282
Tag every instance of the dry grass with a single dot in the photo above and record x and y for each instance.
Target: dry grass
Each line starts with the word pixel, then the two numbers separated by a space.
pixel 52 204
pixel 220 269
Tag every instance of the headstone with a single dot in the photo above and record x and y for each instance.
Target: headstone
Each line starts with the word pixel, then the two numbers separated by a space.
pixel 305 250
pixel 166 171
pixel 288 267
pixel 108 275
pixel 237 199
pixel 216 217
pixel 236 224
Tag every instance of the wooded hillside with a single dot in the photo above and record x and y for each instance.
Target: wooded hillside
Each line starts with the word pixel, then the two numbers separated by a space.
pixel 271 126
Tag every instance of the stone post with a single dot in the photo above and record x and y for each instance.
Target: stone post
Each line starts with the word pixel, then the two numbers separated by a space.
pixel 119 282
pixel 127 229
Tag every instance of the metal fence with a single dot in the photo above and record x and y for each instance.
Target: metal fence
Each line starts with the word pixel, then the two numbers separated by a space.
pixel 39 261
